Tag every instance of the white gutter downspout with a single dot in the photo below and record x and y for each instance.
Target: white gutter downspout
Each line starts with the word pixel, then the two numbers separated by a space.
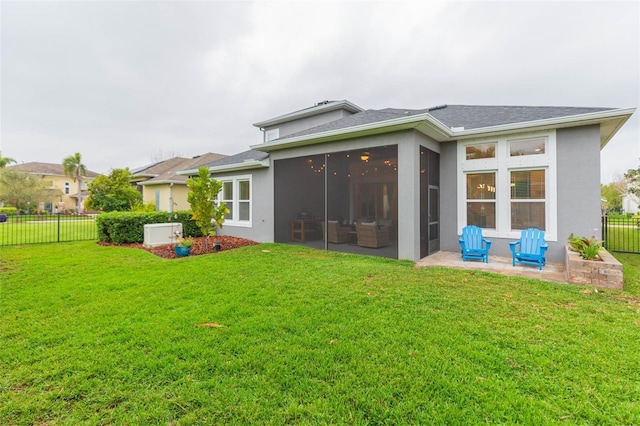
pixel 171 197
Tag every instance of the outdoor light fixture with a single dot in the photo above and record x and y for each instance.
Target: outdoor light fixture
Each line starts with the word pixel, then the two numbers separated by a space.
pixel 364 156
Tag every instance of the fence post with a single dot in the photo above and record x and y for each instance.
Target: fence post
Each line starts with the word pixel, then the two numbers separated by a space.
pixel 58 226
pixel 605 231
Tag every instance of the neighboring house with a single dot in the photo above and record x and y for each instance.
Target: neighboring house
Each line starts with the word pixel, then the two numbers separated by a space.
pixel 62 189
pixel 421 174
pixel 630 203
pixel 160 183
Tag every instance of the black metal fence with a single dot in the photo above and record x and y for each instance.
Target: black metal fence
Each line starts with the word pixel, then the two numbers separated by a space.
pixel 34 229
pixel 621 233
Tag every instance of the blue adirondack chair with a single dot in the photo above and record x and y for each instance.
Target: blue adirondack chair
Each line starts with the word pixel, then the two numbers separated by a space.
pixel 473 245
pixel 530 249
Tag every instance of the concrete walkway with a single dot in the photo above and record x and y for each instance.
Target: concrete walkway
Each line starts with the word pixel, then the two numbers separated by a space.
pixel 500 265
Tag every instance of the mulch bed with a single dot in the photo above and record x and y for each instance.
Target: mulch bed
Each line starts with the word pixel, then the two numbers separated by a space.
pixel 168 251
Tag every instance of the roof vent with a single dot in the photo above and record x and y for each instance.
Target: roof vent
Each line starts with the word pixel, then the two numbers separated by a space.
pixel 437 107
pixel 322 103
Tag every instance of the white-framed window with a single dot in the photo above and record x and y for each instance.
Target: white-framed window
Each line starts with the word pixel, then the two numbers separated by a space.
pixel 67 188
pixel 272 134
pixel 236 192
pixel 528 199
pixel 508 183
pixel 481 199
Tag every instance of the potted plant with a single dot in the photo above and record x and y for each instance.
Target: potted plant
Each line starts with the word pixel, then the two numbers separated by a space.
pixel 588 248
pixel 183 246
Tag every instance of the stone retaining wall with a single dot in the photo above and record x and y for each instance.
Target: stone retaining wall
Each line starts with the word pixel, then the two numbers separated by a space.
pixel 606 273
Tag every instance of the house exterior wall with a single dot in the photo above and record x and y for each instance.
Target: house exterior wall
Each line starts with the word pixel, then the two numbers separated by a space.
pixel 577 182
pixel 577 185
pixel 578 152
pixel 177 192
pixel 308 122
pixel 409 192
pixel 57 183
pixel 262 209
pixel 448 197
pixel 630 204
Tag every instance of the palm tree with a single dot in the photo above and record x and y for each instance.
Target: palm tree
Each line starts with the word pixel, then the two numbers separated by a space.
pixel 5 161
pixel 73 167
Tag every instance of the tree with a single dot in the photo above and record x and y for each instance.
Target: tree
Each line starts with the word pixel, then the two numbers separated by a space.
pixel 632 179
pixel 207 211
pixel 73 167
pixel 21 190
pixel 113 192
pixel 5 161
pixel 613 197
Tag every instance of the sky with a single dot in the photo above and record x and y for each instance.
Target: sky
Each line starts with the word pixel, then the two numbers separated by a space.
pixel 126 83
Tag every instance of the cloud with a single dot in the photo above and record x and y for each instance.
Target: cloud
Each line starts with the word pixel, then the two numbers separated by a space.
pixel 121 81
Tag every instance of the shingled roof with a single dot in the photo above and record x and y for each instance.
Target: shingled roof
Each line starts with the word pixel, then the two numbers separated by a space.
pixel 167 171
pixel 454 116
pixel 47 169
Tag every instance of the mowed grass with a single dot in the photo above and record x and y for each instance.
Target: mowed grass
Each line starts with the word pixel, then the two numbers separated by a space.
pixel 47 231
pixel 102 335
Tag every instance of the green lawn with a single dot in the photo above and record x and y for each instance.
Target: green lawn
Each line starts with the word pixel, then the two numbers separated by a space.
pixel 625 237
pixel 109 336
pixel 28 231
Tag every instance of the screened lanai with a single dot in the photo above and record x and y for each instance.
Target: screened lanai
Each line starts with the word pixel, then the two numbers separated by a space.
pixel 342 201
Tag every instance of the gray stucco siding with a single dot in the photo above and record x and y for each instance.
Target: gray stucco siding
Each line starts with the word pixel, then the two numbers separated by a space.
pixel 577 186
pixel 448 196
pixel 261 229
pixel 305 123
pixel 578 154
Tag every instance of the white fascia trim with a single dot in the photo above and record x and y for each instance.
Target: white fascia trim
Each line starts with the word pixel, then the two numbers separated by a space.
pixel 549 123
pixel 247 165
pixel 309 112
pixel 401 123
pixel 162 182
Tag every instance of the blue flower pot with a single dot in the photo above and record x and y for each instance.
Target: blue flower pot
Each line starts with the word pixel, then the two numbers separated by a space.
pixel 182 251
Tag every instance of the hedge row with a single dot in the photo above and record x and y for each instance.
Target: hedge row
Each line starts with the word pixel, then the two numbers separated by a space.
pixel 9 211
pixel 128 227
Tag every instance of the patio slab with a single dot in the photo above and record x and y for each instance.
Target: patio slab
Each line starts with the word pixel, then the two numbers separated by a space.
pixel 552 271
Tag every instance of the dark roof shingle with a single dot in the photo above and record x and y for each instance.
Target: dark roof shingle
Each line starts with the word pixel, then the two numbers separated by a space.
pixel 467 116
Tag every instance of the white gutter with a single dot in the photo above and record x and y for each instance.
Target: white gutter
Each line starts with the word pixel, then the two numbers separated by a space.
pixel 161 182
pixel 245 165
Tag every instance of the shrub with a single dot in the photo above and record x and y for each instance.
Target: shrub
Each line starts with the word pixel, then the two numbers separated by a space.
pixel 149 207
pixel 189 226
pixel 126 227
pixel 9 211
pixel 587 247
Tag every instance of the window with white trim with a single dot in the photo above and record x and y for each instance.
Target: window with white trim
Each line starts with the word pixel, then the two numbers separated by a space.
pixel 528 199
pixel 481 199
pixel 67 188
pixel 236 192
pixel 507 184
pixel 272 134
